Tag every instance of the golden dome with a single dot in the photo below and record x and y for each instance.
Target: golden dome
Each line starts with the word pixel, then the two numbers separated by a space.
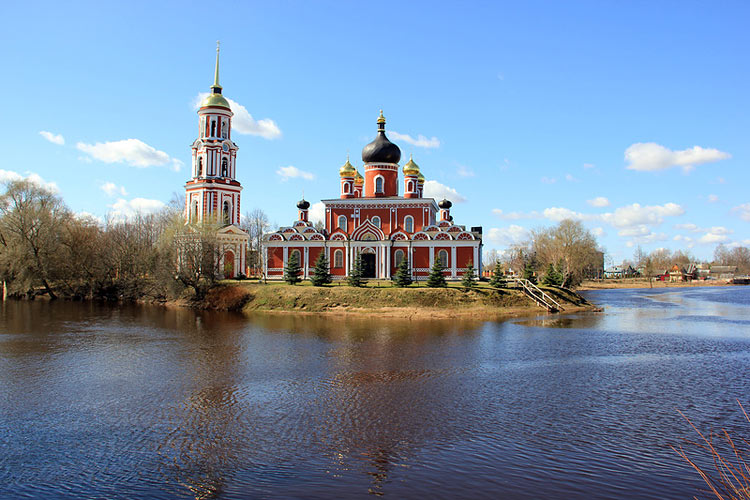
pixel 215 100
pixel 347 169
pixel 359 180
pixel 420 178
pixel 411 168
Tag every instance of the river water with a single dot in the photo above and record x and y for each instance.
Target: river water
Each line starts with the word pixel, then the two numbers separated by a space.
pixel 144 402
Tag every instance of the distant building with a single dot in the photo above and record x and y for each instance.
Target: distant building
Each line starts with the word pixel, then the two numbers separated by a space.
pixel 725 273
pixel 370 218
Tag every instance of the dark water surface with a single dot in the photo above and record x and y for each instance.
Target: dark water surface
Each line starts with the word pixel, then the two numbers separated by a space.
pixel 143 402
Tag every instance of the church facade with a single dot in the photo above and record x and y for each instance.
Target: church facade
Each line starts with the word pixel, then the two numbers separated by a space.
pixel 213 190
pixel 370 218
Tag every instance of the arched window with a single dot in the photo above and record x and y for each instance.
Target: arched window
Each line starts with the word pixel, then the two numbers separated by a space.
pixel 443 258
pixel 378 184
pixel 410 186
pixel 409 224
pixel 338 258
pixel 342 222
pixel 346 188
pixel 224 167
pixel 224 129
pixel 194 211
pixel 200 166
pixel 376 221
pixel 295 253
pixel 226 213
pixel 213 128
pixel 398 257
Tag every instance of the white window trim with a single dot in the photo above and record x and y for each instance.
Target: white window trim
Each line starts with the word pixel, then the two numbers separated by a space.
pixel 338 258
pixel 406 227
pixel 375 186
pixel 338 222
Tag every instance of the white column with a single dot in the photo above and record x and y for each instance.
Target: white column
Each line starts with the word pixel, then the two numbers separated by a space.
pixel 286 256
pixel 474 262
pixel 388 263
pixel 347 259
pixel 307 262
pixel 453 262
pixel 432 256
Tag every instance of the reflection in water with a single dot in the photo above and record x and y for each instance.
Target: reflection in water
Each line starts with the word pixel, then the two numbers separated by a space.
pixel 123 402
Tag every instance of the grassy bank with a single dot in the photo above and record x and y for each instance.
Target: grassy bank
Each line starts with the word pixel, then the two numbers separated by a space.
pixel 382 299
pixel 643 283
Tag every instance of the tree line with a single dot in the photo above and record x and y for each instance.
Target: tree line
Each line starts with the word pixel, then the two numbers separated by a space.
pixel 47 249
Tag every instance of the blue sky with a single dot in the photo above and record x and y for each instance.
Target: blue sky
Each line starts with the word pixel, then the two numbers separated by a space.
pixel 630 116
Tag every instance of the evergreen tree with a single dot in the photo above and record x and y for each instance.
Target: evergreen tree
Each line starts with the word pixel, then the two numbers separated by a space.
pixel 355 275
pixel 403 274
pixel 528 272
pixel 292 270
pixel 436 278
pixel 498 277
pixel 553 276
pixel 321 272
pixel 468 280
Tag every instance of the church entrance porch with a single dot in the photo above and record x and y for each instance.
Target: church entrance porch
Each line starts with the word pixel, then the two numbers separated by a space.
pixel 368 265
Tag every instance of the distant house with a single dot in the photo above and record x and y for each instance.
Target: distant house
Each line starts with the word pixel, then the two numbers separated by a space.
pixel 725 273
pixel 678 274
pixel 620 272
pixel 661 275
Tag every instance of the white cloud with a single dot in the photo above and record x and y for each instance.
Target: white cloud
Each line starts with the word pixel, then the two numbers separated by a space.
pixel 131 151
pixel 558 214
pixel 53 138
pixel 570 178
pixel 112 189
pixel 421 141
pixel 291 172
pixel 711 238
pixel 516 215
pixel 244 123
pixel 548 180
pixel 317 212
pixel 712 198
pixel 126 209
pixel 433 189
pixel 599 231
pixel 649 157
pixel 646 238
pixel 635 214
pixel 10 176
pixel 464 171
pixel 508 235
pixel 599 201
pixel 89 217
pixel 743 211
pixel 688 227
pixel 589 165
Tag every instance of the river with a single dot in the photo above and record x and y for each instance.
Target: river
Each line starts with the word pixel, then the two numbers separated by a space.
pixel 99 401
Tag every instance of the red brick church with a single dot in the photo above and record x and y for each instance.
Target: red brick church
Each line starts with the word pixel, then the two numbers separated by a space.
pixel 371 218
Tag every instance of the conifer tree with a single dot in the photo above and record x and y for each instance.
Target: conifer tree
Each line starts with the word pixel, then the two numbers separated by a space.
pixel 468 280
pixel 528 272
pixel 321 272
pixel 292 270
pixel 498 277
pixel 403 274
pixel 355 275
pixel 552 277
pixel 436 278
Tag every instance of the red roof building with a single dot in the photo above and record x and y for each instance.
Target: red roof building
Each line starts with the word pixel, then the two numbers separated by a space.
pixel 370 218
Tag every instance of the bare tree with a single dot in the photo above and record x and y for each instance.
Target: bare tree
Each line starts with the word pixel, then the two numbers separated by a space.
pixel 31 218
pixel 570 246
pixel 256 224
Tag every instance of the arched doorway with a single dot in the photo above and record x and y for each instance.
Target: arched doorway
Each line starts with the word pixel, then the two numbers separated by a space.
pixel 368 263
pixel 229 264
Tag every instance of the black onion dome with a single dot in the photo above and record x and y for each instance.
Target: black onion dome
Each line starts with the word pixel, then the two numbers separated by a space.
pixel 303 204
pixel 381 150
pixel 445 204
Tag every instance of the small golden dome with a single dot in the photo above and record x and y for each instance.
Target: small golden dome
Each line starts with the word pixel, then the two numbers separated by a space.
pixel 359 180
pixel 381 118
pixel 420 178
pixel 347 169
pixel 411 168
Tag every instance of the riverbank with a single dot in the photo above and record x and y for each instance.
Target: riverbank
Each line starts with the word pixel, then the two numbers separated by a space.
pixel 482 302
pixel 643 283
